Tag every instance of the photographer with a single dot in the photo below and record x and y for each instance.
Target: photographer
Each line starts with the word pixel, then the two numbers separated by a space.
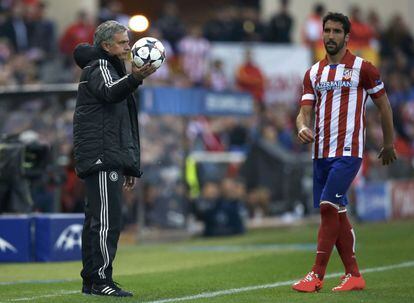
pixel 22 158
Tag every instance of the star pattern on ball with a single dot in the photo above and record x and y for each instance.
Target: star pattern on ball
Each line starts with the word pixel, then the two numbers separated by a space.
pixel 148 50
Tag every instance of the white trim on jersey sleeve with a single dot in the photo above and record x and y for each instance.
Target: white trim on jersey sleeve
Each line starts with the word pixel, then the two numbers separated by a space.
pixel 375 89
pixel 308 97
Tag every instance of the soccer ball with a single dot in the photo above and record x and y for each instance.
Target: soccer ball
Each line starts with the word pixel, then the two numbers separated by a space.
pixel 146 50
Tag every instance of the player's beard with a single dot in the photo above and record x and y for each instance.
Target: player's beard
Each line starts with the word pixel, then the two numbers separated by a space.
pixel 334 51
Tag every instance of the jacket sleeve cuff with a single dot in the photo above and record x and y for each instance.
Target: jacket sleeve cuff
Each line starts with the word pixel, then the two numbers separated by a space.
pixel 134 83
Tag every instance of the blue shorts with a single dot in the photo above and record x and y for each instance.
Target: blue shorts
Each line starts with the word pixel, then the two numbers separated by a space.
pixel 332 177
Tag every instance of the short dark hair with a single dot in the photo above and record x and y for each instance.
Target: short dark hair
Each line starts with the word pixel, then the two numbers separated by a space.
pixel 338 17
pixel 319 8
pixel 105 32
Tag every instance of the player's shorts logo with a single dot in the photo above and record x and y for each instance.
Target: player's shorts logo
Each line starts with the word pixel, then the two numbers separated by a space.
pixel 113 175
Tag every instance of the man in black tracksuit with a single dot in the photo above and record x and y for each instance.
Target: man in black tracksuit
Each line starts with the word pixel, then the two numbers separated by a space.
pixel 106 146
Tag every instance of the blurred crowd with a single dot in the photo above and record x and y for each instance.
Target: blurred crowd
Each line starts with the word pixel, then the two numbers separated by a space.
pixel 32 52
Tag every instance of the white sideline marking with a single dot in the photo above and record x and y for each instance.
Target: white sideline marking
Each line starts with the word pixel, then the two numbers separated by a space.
pixel 37 281
pixel 226 291
pixel 58 294
pixel 272 285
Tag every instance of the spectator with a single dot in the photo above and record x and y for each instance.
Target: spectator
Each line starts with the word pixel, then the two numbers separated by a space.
pixel 312 29
pixel 277 122
pixel 15 28
pixel 170 24
pixel 253 29
pixel 194 51
pixel 362 34
pixel 14 187
pixel 237 133
pixel 207 201
pixel 233 199
pixel 41 31
pixel 226 216
pixel 216 78
pixel 163 74
pixel 224 26
pixel 249 78
pixel 23 70
pixel 398 36
pixel 5 51
pixel 258 202
pixel 374 21
pixel 280 25
pixel 204 133
pixel 80 31
pixel 113 11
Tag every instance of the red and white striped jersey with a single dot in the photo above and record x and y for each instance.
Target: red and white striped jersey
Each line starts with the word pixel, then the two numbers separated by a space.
pixel 194 54
pixel 339 93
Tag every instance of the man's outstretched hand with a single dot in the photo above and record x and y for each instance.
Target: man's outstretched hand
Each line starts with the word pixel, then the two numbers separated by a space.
pixel 140 73
pixel 387 154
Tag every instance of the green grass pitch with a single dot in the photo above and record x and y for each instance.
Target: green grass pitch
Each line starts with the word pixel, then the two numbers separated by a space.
pixel 257 267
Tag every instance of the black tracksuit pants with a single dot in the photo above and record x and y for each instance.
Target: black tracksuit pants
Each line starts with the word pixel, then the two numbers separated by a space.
pixel 102 225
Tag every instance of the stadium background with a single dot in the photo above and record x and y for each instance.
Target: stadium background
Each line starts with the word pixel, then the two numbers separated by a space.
pixel 203 170
pixel 224 173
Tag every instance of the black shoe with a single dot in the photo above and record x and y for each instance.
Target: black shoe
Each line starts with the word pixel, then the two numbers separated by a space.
pixel 86 288
pixel 109 289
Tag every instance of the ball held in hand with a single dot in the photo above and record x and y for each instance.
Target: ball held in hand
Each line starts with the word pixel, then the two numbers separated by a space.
pixel 148 50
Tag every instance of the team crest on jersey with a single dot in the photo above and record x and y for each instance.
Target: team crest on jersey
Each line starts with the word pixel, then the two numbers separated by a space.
pixel 347 75
pixel 113 176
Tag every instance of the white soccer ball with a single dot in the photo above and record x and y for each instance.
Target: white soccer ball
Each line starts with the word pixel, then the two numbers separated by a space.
pixel 146 50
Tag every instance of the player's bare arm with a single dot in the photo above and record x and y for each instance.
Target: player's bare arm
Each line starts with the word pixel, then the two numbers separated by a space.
pixel 387 152
pixel 303 121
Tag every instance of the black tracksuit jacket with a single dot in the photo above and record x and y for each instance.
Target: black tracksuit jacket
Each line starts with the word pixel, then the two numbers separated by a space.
pixel 105 122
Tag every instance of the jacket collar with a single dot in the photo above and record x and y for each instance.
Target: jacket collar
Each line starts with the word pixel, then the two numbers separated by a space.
pixel 114 60
pixel 84 54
